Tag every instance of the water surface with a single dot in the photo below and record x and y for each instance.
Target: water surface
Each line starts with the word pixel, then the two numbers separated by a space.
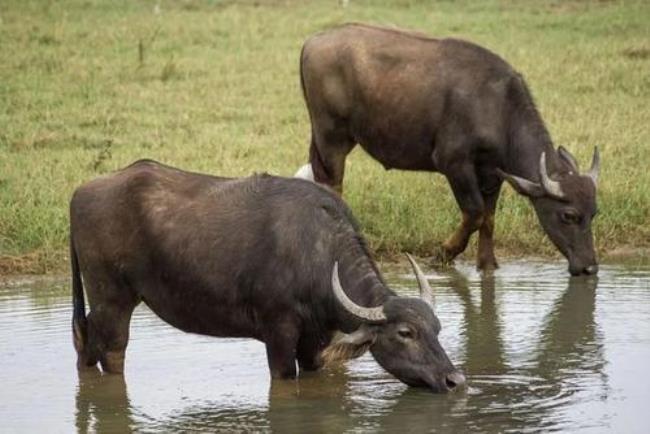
pixel 542 352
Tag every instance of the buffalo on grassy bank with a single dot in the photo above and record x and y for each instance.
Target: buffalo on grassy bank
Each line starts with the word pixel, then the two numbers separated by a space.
pixel 444 105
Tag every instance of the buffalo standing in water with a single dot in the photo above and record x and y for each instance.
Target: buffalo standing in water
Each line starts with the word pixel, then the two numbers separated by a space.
pixel 260 257
pixel 449 106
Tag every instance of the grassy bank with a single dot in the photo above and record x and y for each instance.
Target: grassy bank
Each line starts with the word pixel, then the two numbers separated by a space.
pixel 88 86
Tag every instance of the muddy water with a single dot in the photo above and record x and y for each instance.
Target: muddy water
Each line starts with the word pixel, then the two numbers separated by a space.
pixel 541 352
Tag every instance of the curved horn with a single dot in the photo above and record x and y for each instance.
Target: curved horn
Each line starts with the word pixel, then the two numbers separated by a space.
pixel 426 292
pixel 368 314
pixel 595 167
pixel 552 187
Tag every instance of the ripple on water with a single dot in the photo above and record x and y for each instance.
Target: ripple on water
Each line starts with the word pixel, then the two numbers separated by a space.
pixel 541 352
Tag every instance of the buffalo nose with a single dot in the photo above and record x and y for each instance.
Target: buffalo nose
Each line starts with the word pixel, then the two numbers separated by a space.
pixel 592 269
pixel 455 379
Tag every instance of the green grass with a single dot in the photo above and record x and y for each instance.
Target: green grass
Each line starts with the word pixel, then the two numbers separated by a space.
pixel 88 86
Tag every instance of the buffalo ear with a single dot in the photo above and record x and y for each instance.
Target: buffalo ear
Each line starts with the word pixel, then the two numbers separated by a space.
pixel 569 159
pixel 521 185
pixel 350 346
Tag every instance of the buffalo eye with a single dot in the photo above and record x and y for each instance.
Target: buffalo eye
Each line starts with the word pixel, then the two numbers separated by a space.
pixel 570 216
pixel 405 333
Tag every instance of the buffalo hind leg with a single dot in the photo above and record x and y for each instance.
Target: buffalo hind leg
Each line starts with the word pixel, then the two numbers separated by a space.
pixel 486 259
pixel 330 145
pixel 108 333
pixel 465 187
pixel 281 342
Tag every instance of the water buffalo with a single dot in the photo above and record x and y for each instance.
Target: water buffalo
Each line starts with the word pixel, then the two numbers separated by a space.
pixel 444 105
pixel 260 257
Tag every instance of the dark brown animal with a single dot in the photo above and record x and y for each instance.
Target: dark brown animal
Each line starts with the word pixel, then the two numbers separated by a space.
pixel 260 257
pixel 449 106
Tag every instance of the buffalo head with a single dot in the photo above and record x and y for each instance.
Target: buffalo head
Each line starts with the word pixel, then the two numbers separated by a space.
pixel 565 205
pixel 402 336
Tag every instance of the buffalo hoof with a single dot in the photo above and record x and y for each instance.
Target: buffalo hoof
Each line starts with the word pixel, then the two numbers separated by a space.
pixel 441 257
pixel 487 265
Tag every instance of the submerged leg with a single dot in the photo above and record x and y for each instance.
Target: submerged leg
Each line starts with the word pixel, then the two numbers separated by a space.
pixel 308 353
pixel 108 333
pixel 86 355
pixel 281 342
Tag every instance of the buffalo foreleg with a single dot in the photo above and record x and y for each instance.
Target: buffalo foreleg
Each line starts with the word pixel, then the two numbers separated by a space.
pixel 465 187
pixel 457 242
pixel 281 342
pixel 310 346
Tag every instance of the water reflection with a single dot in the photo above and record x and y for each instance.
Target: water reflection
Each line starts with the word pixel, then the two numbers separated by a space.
pixel 338 404
pixel 570 339
pixel 570 355
pixel 294 403
pixel 484 353
pixel 102 404
pixel 564 357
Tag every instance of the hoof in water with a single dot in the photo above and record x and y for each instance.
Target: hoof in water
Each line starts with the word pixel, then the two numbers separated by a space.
pixel 487 266
pixel 441 257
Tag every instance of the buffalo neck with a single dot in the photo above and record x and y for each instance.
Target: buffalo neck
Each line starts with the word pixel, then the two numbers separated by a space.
pixel 528 139
pixel 359 276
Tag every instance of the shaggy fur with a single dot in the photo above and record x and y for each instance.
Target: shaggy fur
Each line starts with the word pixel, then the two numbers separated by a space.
pixel 341 351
